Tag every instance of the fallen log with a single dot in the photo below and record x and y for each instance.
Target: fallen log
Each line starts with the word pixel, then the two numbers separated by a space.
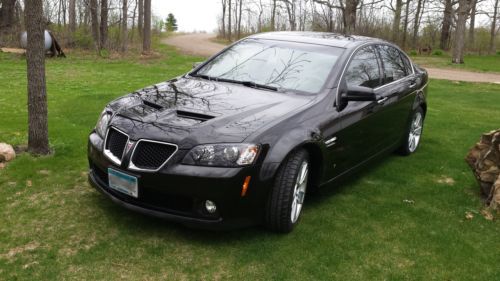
pixel 484 160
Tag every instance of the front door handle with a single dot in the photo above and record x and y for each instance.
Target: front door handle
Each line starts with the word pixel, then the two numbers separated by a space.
pixel 413 84
pixel 382 100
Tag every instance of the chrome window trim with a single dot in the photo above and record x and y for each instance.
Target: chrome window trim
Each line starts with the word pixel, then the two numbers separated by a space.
pixel 133 167
pixel 356 50
pixel 108 153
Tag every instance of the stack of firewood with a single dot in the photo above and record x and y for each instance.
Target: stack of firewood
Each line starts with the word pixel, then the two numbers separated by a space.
pixel 484 160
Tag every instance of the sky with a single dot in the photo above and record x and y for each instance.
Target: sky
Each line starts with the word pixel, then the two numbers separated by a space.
pixel 191 15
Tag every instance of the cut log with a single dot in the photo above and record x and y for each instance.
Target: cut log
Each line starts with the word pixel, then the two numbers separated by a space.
pixel 484 160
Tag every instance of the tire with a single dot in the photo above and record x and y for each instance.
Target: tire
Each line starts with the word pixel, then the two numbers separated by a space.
pixel 413 133
pixel 287 196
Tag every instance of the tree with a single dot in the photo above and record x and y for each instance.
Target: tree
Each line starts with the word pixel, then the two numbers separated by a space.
pixel 38 135
pixel 95 23
pixel 7 14
pixel 124 35
pixel 72 15
pixel 397 20
pixel 229 22
pixel 446 25
pixel 472 23
pixel 140 17
pixel 239 19
pixel 416 23
pixel 104 25
pixel 405 28
pixel 349 16
pixel 223 28
pixel 493 28
pixel 171 22
pixel 146 42
pixel 459 42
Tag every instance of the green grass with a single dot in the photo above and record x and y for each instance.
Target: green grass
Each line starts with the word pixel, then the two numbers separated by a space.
pixel 490 63
pixel 54 226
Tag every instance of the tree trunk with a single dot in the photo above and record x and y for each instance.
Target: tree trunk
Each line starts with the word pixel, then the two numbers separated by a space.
pixel 350 16
pixel 229 27
pixel 104 24
pixel 38 135
pixel 124 25
pixel 95 23
pixel 273 16
pixel 472 24
pixel 223 29
pixel 239 18
pixel 146 42
pixel 405 28
pixel 416 24
pixel 7 18
pixel 140 18
pixel 444 42
pixel 397 20
pixel 459 43
pixel 72 15
pixel 493 29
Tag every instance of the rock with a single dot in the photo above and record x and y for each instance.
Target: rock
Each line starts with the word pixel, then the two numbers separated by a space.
pixel 7 152
pixel 484 160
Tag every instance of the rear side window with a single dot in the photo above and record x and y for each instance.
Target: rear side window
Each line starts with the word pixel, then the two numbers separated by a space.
pixel 407 63
pixel 394 68
pixel 364 69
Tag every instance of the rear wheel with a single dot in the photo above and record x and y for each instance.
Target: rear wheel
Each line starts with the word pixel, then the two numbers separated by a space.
pixel 414 133
pixel 288 193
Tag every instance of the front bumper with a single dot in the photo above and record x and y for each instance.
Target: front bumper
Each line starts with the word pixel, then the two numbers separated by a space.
pixel 177 192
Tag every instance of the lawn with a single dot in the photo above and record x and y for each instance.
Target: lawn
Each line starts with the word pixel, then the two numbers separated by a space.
pixel 402 219
pixel 487 63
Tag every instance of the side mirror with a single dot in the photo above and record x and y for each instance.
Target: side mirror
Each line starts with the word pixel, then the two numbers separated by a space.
pixel 359 93
pixel 196 64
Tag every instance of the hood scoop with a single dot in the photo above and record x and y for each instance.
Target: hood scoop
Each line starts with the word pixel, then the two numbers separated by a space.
pixel 194 115
pixel 152 104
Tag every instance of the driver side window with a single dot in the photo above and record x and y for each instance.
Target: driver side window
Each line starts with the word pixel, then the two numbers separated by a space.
pixel 364 69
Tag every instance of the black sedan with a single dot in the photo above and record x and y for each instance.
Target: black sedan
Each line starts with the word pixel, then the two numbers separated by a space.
pixel 240 138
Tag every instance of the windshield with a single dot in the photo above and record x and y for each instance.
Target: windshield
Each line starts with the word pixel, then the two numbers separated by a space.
pixel 284 65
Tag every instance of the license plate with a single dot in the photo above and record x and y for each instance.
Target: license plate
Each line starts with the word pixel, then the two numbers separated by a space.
pixel 123 183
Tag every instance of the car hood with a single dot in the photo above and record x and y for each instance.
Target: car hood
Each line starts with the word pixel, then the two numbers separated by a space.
pixel 191 111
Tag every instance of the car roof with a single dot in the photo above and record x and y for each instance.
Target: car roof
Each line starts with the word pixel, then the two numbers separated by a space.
pixel 320 38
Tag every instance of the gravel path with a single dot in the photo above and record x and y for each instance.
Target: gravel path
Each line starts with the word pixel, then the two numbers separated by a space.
pixel 200 44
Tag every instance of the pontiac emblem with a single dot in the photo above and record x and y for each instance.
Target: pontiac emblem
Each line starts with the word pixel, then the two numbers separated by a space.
pixel 129 146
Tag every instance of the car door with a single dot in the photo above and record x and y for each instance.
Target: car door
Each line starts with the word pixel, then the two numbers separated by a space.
pixel 359 137
pixel 395 95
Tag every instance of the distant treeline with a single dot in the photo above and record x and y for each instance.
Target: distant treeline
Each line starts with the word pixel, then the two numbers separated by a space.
pixel 412 24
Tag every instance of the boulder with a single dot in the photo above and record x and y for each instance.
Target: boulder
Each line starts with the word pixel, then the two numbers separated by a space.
pixel 484 160
pixel 7 152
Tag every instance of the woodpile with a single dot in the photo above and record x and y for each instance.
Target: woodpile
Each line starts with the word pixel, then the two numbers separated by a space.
pixel 484 160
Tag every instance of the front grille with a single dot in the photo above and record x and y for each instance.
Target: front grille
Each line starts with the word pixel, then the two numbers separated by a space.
pixel 116 142
pixel 150 155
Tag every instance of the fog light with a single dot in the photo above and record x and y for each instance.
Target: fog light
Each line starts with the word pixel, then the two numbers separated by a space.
pixel 210 206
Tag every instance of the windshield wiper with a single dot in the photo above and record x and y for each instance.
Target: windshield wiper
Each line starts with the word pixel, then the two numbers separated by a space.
pixel 206 77
pixel 244 83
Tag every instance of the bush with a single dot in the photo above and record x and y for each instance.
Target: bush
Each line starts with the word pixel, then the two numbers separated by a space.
pixel 413 53
pixel 498 53
pixel 437 52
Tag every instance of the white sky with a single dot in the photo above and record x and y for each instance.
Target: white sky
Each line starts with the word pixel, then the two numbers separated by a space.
pixel 191 15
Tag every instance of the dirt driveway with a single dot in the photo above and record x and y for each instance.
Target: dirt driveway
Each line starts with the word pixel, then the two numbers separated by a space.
pixel 200 44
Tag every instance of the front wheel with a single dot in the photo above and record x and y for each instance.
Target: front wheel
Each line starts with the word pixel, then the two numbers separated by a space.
pixel 288 193
pixel 414 133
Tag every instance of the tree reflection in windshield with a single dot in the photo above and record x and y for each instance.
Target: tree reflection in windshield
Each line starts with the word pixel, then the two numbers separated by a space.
pixel 291 66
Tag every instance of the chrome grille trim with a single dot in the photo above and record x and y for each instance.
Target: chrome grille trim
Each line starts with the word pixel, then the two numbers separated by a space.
pixel 108 153
pixel 133 167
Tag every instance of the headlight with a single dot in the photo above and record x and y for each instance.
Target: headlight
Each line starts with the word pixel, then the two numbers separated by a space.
pixel 222 155
pixel 102 123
